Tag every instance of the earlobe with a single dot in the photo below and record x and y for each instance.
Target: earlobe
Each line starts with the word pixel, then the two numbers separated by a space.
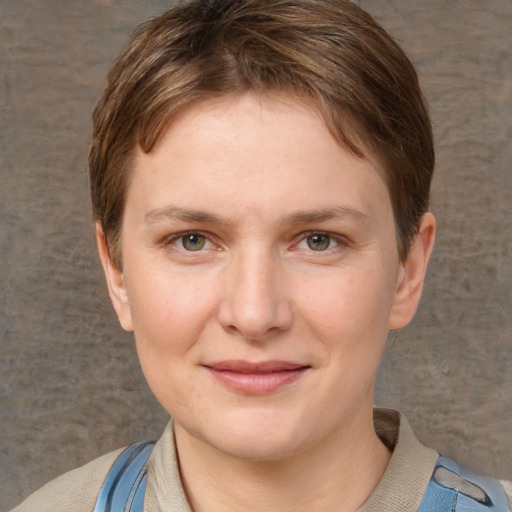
pixel 412 274
pixel 115 282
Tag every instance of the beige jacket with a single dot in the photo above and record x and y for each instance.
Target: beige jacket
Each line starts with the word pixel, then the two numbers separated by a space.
pixel 401 488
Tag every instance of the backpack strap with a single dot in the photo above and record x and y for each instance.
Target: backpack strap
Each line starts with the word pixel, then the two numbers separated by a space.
pixel 453 488
pixel 124 488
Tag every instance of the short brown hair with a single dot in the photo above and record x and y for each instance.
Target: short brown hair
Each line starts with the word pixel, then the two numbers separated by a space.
pixel 330 51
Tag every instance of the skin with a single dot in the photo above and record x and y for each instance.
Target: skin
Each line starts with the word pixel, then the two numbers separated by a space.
pixel 297 262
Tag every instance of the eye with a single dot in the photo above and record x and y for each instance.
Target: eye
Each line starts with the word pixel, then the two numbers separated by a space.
pixel 320 242
pixel 192 241
pixel 190 246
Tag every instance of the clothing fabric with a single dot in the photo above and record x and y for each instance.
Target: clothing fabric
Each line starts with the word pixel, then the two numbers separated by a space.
pixel 401 488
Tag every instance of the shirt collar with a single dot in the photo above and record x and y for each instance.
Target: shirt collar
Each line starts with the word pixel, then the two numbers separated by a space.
pixel 401 488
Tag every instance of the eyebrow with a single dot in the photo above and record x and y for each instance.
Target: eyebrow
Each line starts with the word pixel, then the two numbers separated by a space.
pixel 300 217
pixel 325 214
pixel 185 214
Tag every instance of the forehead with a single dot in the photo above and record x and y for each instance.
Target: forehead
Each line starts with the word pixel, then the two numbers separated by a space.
pixel 234 114
pixel 248 153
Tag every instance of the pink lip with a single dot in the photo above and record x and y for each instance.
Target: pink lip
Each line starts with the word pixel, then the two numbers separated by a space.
pixel 256 378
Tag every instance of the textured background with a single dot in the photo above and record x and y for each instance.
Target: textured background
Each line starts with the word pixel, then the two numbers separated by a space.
pixel 70 386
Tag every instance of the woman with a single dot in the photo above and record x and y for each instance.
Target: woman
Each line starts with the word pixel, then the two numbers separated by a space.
pixel 260 175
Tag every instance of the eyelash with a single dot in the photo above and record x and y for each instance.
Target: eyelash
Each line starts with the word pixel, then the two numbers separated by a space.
pixel 179 238
pixel 339 242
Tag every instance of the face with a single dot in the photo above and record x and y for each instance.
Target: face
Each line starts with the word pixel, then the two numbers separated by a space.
pixel 260 276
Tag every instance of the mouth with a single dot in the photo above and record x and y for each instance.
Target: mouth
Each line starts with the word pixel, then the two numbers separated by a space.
pixel 256 378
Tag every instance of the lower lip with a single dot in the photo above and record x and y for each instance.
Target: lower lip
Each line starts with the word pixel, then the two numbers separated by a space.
pixel 257 383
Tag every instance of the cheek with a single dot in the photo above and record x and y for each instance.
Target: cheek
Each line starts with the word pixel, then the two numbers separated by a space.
pixel 348 309
pixel 170 316
pixel 169 310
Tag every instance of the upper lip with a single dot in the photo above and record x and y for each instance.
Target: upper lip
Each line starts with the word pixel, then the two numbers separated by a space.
pixel 249 367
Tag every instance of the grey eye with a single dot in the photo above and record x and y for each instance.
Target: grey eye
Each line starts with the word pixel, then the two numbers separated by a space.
pixel 318 242
pixel 193 241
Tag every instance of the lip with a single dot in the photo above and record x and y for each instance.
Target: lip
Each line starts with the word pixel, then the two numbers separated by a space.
pixel 256 378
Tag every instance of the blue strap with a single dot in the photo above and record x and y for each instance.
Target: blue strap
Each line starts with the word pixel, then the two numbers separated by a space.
pixel 125 485
pixel 453 488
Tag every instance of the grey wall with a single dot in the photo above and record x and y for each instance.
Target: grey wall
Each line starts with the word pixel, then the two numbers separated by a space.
pixel 70 386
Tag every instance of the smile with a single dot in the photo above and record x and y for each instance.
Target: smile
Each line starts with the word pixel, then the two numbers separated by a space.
pixel 256 378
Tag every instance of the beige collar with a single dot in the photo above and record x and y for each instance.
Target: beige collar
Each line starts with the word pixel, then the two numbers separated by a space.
pixel 405 480
pixel 401 488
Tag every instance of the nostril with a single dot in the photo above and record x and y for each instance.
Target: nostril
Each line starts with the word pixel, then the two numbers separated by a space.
pixel 253 303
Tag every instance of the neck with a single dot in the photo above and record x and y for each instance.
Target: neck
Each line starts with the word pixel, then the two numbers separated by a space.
pixel 339 473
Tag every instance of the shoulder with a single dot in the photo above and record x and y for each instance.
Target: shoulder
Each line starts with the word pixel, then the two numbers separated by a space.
pixel 458 488
pixel 507 487
pixel 433 483
pixel 76 490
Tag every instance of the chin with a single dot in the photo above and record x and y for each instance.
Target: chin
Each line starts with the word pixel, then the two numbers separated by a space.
pixel 257 448
pixel 258 437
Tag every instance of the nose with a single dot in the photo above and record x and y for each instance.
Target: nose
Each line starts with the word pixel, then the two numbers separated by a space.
pixel 254 301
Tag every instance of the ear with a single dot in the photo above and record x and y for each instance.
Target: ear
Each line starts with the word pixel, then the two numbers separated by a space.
pixel 115 282
pixel 412 274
